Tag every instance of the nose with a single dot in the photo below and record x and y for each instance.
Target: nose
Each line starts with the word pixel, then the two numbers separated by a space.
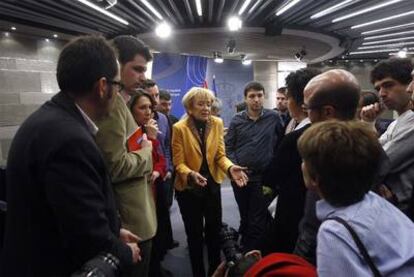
pixel 410 87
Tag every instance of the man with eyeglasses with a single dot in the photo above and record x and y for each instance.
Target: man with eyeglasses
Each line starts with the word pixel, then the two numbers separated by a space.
pixel 130 170
pixel 61 208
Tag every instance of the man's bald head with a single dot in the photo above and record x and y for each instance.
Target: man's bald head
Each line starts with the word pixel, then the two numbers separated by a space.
pixel 336 89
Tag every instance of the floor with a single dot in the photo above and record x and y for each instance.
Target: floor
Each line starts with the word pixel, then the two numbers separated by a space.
pixel 177 260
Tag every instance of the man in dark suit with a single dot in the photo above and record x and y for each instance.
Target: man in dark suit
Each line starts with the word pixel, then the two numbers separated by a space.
pixel 61 210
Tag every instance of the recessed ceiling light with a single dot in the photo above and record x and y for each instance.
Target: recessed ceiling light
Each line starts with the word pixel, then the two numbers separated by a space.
pixel 234 23
pixel 334 8
pixel 287 7
pixel 13 28
pixel 387 40
pixel 163 30
pixel 152 9
pixel 388 28
pixel 389 35
pixel 46 39
pixel 366 10
pixel 105 12
pixel 55 35
pixel 199 8
pixel 7 34
pixel 244 6
pixel 382 20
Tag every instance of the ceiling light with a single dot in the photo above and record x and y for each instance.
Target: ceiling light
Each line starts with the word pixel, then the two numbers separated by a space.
pixel 287 7
pixel 390 35
pixel 300 55
pixel 55 35
pixel 13 28
pixel 217 57
pixel 400 44
pixel 372 8
pixel 7 34
pixel 152 9
pixel 199 8
pixel 163 30
pixel 373 51
pixel 105 12
pixel 334 8
pixel 382 20
pixel 388 28
pixel 46 39
pixel 361 61
pixel 234 23
pixel 254 6
pixel 387 40
pixel 397 54
pixel 244 6
pixel 402 53
pixel 244 60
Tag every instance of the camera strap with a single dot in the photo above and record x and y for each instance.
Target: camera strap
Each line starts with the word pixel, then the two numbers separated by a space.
pixel 359 244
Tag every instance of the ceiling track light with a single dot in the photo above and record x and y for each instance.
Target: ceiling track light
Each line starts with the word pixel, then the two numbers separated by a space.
pixel 334 8
pixel 382 20
pixel 234 23
pixel 163 30
pixel 366 10
pixel 244 6
pixel 390 35
pixel 217 57
pixel 387 40
pixel 105 12
pixel 152 9
pixel 287 6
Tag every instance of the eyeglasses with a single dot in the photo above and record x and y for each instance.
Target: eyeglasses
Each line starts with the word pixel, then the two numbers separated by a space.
pixel 120 85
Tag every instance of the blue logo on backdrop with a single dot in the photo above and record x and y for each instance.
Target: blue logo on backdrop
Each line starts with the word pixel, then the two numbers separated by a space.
pixel 177 74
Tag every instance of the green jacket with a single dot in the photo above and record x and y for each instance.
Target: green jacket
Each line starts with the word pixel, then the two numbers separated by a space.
pixel 130 171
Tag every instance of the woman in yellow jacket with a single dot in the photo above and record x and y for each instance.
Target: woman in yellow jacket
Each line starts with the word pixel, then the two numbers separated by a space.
pixel 201 165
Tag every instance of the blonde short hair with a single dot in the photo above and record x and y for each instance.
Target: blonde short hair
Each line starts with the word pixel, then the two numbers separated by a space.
pixel 196 92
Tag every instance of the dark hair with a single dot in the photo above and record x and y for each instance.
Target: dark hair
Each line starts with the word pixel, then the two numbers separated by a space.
pixel 165 95
pixel 137 95
pixel 148 83
pixel 297 81
pixel 344 98
pixel 368 98
pixel 343 156
pixel 129 46
pixel 83 61
pixel 253 86
pixel 282 90
pixel 395 68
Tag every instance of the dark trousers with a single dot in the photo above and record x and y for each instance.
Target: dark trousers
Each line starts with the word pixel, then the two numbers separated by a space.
pixel 202 215
pixel 253 213
pixel 162 239
pixel 141 269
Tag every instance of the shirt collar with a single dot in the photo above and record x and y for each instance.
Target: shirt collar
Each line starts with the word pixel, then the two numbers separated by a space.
pixel 324 209
pixel 92 128
pixel 303 123
pixel 246 115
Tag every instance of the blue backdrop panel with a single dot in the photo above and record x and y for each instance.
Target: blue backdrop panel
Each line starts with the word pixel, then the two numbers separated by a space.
pixel 177 74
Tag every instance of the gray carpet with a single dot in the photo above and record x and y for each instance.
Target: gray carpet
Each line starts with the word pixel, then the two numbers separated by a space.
pixel 177 260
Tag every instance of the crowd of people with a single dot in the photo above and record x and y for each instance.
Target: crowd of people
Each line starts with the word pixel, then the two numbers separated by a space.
pixel 92 173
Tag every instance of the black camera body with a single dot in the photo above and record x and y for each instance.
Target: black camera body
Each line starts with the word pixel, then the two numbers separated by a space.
pixel 236 262
pixel 102 265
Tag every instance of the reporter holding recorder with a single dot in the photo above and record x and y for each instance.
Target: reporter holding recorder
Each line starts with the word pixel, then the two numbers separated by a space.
pixel 201 164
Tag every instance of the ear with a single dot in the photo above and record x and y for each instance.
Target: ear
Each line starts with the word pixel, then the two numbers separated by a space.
pixel 101 88
pixel 328 112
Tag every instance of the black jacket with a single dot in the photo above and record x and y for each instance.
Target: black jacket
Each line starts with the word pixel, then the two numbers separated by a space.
pixel 61 210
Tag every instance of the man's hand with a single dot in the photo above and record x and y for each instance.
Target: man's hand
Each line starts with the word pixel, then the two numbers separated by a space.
pixel 136 252
pixel 238 175
pixel 370 113
pixel 198 179
pixel 154 176
pixel 152 129
pixel 167 176
pixel 145 142
pixel 128 237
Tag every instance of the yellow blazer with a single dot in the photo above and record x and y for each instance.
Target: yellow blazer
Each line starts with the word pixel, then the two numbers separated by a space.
pixel 187 155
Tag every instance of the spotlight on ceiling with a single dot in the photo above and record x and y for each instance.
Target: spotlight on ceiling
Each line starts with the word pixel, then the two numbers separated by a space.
pixel 13 28
pixel 163 30
pixel 7 34
pixel 217 57
pixel 46 39
pixel 231 46
pixel 402 53
pixel 244 60
pixel 55 35
pixel 300 55
pixel 234 23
